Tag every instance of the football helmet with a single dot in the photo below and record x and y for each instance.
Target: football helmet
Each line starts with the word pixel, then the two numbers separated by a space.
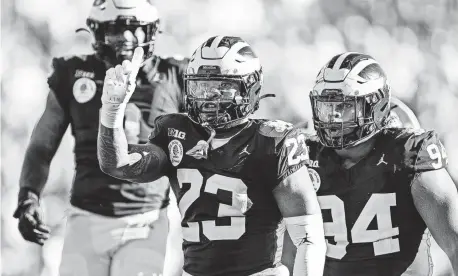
pixel 119 26
pixel 350 100
pixel 223 82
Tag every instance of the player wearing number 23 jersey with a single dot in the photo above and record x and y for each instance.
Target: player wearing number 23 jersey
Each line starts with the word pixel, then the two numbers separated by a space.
pixel 230 220
pixel 378 187
pixel 238 181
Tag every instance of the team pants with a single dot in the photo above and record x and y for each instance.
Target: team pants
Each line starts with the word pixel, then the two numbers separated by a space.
pixel 96 245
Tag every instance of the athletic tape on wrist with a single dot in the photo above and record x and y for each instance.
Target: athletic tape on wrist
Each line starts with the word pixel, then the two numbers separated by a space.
pixel 112 115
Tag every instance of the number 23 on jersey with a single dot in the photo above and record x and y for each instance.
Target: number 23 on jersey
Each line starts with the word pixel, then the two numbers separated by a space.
pixel 192 180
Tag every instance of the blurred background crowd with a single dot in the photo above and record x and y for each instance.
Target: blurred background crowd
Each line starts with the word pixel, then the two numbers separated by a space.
pixel 416 41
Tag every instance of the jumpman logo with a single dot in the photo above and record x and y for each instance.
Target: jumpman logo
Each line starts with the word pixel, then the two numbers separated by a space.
pixel 245 151
pixel 382 161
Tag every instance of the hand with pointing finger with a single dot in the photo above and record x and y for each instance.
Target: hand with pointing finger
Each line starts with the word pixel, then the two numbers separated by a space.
pixel 118 86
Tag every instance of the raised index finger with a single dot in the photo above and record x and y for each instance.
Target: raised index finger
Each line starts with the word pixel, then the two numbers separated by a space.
pixel 136 62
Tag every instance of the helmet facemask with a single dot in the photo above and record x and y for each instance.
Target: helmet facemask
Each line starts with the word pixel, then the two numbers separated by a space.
pixel 117 40
pixel 345 121
pixel 222 101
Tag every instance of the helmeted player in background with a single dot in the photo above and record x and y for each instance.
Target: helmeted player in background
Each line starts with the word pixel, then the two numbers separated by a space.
pixel 235 178
pixel 378 187
pixel 114 227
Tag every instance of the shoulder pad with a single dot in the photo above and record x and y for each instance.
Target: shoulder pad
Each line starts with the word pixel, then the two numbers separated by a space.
pixel 300 134
pixel 62 76
pixel 275 129
pixel 420 150
pixel 61 62
pixel 166 118
pixel 165 121
pixel 70 61
pixel 170 119
pixel 292 152
pixel 75 57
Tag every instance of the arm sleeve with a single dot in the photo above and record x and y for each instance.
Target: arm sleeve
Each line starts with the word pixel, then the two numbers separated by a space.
pixel 292 153
pixel 424 152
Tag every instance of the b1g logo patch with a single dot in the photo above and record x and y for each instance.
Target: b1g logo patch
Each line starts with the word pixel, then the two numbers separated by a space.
pixel 176 152
pixel 315 177
pixel 84 90
pixel 176 133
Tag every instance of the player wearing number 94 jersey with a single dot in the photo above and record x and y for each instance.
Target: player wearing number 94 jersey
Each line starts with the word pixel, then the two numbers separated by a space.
pixel 235 178
pixel 378 187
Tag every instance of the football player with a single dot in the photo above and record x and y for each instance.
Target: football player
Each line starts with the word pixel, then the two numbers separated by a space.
pixel 235 178
pixel 379 187
pixel 400 115
pixel 115 227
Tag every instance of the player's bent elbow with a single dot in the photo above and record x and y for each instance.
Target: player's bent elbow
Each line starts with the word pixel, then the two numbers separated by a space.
pixel 108 163
pixel 117 173
pixel 108 168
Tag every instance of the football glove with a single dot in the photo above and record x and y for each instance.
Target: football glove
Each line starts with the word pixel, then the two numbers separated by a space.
pixel 30 217
pixel 118 86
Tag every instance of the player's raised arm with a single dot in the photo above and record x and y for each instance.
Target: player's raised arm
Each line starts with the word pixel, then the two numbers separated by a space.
pixel 298 203
pixel 137 163
pixel 435 196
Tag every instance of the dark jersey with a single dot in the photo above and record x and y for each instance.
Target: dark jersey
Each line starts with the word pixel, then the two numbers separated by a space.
pixel 230 220
pixel 77 82
pixel 371 224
